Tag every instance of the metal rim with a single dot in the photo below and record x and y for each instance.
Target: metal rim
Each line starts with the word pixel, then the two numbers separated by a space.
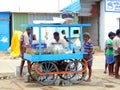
pixel 79 68
pixel 32 72
pixel 45 67
pixel 65 76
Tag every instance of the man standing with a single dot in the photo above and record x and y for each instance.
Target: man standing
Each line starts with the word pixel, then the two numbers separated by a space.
pixel 116 47
pixel 24 42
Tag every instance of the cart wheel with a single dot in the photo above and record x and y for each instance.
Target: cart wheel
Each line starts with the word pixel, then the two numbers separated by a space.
pixel 79 69
pixel 65 76
pixel 32 72
pixel 45 67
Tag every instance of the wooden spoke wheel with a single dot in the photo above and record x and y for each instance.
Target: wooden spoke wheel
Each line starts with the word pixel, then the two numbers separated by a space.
pixel 43 69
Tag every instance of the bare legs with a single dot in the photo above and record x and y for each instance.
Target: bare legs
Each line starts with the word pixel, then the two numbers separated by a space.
pixel 22 65
pixel 89 73
pixel 111 68
pixel 117 65
pixel 89 70
pixel 106 65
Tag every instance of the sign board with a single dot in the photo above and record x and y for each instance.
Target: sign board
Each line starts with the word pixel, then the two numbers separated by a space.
pixel 112 5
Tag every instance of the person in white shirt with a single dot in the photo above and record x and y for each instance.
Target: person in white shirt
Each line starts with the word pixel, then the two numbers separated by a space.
pixel 116 47
pixel 24 42
pixel 58 45
pixel 58 40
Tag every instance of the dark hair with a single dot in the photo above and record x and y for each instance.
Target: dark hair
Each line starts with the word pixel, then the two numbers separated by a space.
pixel 63 31
pixel 28 28
pixel 117 31
pixel 86 35
pixel 111 34
pixel 56 34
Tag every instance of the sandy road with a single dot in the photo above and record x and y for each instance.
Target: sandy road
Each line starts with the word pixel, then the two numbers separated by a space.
pixel 100 81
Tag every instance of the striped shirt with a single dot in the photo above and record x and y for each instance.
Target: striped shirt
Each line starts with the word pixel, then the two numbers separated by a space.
pixel 88 47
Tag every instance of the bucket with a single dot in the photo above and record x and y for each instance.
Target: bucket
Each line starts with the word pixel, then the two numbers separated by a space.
pixel 17 71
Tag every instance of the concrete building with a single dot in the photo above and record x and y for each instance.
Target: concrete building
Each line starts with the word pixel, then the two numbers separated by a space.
pixel 109 21
pixel 92 11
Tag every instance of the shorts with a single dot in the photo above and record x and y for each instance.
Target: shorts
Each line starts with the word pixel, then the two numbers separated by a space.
pixel 89 59
pixel 110 59
pixel 117 58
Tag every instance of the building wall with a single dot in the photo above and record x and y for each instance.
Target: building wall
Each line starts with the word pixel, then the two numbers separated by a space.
pixel 41 16
pixel 93 29
pixel 102 26
pixel 109 21
pixel 89 13
pixel 4 30
pixel 18 19
pixel 28 18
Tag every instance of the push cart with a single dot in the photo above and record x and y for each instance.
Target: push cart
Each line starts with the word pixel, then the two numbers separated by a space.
pixel 48 67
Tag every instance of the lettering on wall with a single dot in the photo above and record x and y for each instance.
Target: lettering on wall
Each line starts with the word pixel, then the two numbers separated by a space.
pixel 112 5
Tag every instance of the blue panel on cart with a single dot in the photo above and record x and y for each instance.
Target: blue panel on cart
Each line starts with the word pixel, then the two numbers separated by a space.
pixel 27 57
pixel 55 25
pixel 37 46
pixel 52 57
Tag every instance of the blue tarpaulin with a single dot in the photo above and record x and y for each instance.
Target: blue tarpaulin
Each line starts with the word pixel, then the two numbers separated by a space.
pixel 74 6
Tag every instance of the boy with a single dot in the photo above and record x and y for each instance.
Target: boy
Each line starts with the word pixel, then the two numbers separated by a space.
pixel 88 48
pixel 109 53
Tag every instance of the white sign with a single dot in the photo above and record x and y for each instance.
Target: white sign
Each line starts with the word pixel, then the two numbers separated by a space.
pixel 112 6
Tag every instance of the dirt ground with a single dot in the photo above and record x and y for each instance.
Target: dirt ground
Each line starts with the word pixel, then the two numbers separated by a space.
pixel 100 81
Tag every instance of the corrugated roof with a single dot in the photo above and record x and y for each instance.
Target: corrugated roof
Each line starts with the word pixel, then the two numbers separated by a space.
pixel 74 6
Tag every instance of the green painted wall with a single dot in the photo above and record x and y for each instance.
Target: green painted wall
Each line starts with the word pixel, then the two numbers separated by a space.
pixel 19 19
